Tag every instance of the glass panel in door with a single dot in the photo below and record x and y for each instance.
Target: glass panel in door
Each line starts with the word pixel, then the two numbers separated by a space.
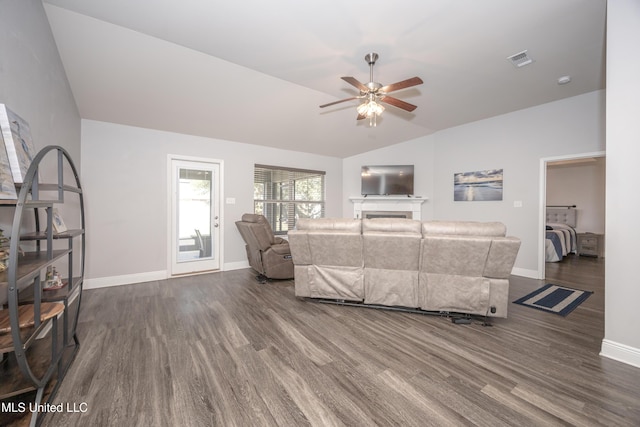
pixel 196 217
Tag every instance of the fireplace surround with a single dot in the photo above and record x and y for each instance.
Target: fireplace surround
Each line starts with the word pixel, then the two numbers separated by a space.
pixel 388 207
pixel 386 214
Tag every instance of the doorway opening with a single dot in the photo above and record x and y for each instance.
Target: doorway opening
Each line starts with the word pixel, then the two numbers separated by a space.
pixel 570 180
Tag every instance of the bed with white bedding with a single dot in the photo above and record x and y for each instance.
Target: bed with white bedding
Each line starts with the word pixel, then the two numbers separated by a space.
pixel 561 237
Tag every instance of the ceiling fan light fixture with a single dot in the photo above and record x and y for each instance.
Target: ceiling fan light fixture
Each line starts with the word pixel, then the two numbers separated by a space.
pixel 370 108
pixel 374 94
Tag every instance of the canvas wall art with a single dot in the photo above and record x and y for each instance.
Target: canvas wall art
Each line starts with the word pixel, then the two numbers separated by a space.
pixel 474 186
pixel 17 143
pixel 7 187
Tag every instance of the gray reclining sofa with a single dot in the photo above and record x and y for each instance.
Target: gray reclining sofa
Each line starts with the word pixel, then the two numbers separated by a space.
pixel 435 266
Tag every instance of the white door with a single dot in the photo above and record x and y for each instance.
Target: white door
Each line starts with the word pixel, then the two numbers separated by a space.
pixel 195 216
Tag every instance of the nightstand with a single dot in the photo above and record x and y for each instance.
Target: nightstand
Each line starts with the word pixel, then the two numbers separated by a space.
pixel 590 244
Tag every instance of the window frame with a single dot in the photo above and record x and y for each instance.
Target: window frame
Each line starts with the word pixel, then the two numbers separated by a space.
pixel 282 195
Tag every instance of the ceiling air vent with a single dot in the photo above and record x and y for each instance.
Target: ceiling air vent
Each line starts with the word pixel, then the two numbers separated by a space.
pixel 520 59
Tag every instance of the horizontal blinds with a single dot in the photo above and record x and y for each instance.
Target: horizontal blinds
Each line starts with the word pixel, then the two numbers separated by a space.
pixel 284 194
pixel 283 168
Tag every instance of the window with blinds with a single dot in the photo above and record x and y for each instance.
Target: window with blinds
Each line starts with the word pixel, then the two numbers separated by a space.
pixel 283 195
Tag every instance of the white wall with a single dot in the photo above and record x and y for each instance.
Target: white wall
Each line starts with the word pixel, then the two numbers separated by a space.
pixel 126 195
pixel 583 186
pixel 621 336
pixel 514 142
pixel 33 84
pixel 32 79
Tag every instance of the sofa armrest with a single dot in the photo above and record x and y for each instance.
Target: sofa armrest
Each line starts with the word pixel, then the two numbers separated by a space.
pixel 282 248
pixel 502 257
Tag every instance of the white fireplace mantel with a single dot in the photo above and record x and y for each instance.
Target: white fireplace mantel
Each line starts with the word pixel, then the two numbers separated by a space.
pixel 411 204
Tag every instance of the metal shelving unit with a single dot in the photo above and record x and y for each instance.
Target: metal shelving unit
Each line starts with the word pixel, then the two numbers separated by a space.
pixel 35 355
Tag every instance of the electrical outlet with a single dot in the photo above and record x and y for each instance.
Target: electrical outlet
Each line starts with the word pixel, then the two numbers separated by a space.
pixel 517 204
pixel 231 200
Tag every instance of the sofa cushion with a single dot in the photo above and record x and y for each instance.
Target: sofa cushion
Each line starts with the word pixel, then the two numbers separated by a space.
pixel 455 255
pixel 330 224
pixel 336 282
pixel 454 294
pixel 399 252
pixel 391 287
pixel 329 253
pixel 392 225
pixel 466 228
pixel 391 261
pixel 337 249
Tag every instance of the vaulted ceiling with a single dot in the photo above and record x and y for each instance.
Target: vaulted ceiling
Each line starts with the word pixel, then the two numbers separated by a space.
pixel 256 71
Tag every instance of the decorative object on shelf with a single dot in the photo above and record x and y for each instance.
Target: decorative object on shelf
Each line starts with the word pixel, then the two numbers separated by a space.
pixel 478 186
pixel 58 223
pixel 17 143
pixel 53 280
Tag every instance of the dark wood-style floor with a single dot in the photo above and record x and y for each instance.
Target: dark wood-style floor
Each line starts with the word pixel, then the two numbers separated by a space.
pixel 222 349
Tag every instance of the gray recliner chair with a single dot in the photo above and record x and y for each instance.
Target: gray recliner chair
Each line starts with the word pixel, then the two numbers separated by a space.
pixel 269 255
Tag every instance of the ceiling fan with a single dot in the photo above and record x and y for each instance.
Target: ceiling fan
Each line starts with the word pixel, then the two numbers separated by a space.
pixel 373 94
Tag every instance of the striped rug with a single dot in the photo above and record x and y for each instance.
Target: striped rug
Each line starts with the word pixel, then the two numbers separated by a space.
pixel 554 299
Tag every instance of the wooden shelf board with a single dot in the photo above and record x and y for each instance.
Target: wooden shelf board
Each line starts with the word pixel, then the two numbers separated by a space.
pixel 6 341
pixel 42 235
pixel 30 263
pixel 26 296
pixel 13 382
pixel 26 317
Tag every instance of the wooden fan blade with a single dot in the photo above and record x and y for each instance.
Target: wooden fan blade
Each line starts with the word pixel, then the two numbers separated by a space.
pixel 338 102
pixel 398 103
pixel 361 117
pixel 414 81
pixel 353 82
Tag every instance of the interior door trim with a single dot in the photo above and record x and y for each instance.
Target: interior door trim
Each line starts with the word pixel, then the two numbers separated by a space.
pixel 169 212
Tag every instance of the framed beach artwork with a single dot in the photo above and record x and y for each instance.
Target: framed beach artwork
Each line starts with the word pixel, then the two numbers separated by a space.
pixel 474 186
pixel 17 143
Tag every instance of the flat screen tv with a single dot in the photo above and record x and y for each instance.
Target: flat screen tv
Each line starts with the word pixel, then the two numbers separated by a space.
pixel 387 180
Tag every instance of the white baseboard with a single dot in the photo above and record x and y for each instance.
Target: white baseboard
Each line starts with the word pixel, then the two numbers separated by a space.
pixel 238 265
pixel 150 276
pixel 525 272
pixel 127 279
pixel 621 353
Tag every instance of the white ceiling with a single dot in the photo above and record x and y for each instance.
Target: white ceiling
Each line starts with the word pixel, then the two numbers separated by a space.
pixel 256 71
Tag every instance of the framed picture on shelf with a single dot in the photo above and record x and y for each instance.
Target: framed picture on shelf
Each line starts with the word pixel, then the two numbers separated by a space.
pixel 17 143
pixel 7 187
pixel 58 223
